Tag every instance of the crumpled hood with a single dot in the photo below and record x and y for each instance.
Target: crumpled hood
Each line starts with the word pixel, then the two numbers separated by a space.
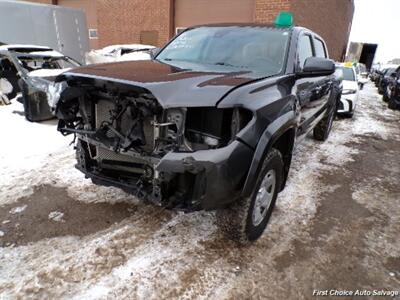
pixel 173 86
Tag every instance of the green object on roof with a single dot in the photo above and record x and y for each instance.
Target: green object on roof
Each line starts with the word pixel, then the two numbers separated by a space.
pixel 284 19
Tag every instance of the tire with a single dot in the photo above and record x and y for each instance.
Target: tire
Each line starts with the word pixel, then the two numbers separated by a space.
pixel 385 97
pixel 323 128
pixel 240 221
pixel 348 115
pixel 392 104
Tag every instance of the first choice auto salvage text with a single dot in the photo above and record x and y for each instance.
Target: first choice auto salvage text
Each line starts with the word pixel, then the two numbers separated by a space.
pixel 334 292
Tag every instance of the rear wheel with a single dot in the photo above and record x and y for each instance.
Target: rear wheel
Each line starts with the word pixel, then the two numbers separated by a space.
pixel 323 128
pixel 386 95
pixel 393 104
pixel 246 219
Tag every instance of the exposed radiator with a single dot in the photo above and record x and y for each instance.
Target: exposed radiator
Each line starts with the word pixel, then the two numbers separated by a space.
pixel 103 108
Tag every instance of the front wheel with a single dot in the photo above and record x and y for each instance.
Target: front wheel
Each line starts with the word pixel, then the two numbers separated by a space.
pixel 246 219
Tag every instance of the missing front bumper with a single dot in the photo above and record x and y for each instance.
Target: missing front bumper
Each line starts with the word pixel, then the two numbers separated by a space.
pixel 206 179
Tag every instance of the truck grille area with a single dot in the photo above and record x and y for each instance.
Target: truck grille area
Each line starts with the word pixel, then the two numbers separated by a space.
pixel 127 123
pixel 107 159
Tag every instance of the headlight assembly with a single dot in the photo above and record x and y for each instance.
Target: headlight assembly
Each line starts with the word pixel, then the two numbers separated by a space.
pixel 211 128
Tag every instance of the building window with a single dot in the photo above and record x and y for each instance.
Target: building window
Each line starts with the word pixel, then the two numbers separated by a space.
pixel 178 30
pixel 93 34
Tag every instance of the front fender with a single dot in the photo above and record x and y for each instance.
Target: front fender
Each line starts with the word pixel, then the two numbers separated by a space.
pixel 270 135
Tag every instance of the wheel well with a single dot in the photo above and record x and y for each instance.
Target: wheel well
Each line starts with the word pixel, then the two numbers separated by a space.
pixel 284 144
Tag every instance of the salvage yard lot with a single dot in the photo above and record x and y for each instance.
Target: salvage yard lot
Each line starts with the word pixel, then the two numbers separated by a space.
pixel 335 226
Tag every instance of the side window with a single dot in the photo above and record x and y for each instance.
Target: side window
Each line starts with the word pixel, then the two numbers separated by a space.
pixel 319 48
pixel 6 65
pixel 398 72
pixel 2 59
pixel 304 49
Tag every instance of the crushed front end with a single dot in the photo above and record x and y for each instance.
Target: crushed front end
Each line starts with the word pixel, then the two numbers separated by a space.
pixel 185 157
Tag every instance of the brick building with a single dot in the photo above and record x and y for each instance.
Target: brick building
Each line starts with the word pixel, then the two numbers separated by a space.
pixel 156 21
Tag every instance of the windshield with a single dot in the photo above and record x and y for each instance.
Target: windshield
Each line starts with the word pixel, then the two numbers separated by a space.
pixel 348 74
pixel 32 63
pixel 257 49
pixel 389 71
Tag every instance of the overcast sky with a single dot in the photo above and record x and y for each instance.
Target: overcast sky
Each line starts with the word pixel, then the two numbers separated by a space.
pixel 377 21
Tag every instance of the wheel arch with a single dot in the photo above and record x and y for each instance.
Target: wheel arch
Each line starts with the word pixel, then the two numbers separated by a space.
pixel 279 134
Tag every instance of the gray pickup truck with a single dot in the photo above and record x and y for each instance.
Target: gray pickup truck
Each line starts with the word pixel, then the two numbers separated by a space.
pixel 209 123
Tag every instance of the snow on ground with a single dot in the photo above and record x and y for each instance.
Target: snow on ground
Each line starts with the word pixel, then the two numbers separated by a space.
pixel 154 253
pixel 25 149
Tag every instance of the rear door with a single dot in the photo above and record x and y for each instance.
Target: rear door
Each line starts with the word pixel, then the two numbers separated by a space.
pixel 312 92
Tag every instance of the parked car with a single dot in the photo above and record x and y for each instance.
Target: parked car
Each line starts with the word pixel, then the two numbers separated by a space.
pixel 361 74
pixel 389 82
pixel 209 123
pixel 386 77
pixel 119 53
pixel 30 69
pixel 381 72
pixel 374 74
pixel 394 91
pixel 349 97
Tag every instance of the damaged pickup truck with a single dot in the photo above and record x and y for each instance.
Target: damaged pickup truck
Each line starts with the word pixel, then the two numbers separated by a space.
pixel 209 123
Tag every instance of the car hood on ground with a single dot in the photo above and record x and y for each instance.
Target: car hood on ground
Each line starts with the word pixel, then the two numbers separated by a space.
pixel 183 85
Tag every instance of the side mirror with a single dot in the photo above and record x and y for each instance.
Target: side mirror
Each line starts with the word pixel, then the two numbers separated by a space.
pixel 393 75
pixel 153 52
pixel 318 66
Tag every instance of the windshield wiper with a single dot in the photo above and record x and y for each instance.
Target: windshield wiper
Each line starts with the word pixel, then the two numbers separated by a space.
pixel 228 65
pixel 223 64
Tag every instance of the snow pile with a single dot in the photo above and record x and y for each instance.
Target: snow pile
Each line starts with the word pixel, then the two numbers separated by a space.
pixel 18 209
pixel 25 149
pixel 56 216
pixel 115 53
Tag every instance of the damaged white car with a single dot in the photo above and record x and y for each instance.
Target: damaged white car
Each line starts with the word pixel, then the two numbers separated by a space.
pixel 119 53
pixel 349 99
pixel 30 69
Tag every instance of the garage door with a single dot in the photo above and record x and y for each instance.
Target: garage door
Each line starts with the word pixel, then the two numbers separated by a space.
pixel 195 12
